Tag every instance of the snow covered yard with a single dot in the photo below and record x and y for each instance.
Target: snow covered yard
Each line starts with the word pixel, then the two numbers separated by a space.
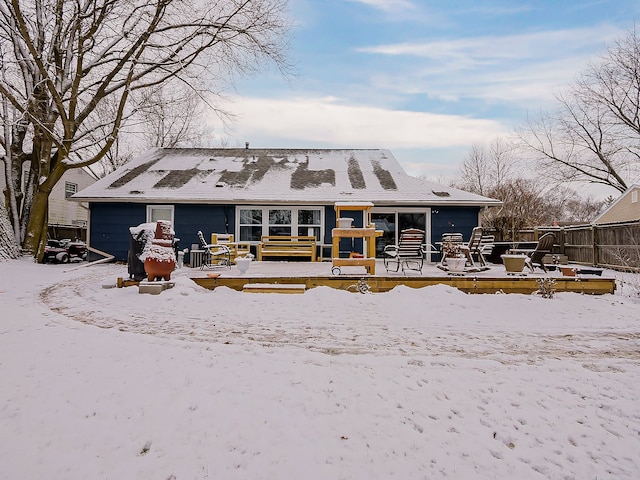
pixel 196 384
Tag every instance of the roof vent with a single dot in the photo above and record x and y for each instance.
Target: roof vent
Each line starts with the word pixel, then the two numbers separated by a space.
pixel 221 184
pixel 441 194
pixel 246 145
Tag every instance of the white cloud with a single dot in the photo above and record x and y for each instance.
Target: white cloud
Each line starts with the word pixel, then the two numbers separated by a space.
pixel 489 49
pixel 526 68
pixel 388 5
pixel 323 122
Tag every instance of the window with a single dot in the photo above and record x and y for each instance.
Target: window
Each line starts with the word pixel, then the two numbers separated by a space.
pixel 310 222
pixel 159 212
pixel 70 189
pixel 250 225
pixel 634 196
pixel 257 221
pixel 280 222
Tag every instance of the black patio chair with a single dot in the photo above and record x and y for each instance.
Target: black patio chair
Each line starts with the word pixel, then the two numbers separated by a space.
pixel 544 247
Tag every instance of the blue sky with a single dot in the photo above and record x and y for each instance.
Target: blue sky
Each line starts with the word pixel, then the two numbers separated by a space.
pixel 425 79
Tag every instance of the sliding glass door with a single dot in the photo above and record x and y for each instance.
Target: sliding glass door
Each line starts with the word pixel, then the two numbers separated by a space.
pixel 392 222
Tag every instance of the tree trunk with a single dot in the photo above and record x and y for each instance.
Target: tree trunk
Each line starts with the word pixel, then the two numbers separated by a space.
pixel 8 246
pixel 36 236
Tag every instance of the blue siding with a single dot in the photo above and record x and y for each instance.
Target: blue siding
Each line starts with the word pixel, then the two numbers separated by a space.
pixel 329 223
pixel 347 245
pixel 208 218
pixel 109 227
pixel 110 222
pixel 453 219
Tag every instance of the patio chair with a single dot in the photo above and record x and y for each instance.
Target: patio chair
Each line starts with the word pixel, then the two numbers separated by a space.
pixel 238 249
pixel 544 247
pixel 408 254
pixel 452 237
pixel 487 242
pixel 474 247
pixel 215 255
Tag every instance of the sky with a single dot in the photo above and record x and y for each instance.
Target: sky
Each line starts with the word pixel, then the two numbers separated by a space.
pixel 425 79
pixel 106 383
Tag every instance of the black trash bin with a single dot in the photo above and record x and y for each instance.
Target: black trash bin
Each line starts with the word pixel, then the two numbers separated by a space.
pixel 138 239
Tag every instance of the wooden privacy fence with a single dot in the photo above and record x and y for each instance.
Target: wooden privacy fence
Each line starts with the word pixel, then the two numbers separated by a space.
pixel 612 245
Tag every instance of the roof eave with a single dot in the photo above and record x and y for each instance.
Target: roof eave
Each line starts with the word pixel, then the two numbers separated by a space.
pixel 425 203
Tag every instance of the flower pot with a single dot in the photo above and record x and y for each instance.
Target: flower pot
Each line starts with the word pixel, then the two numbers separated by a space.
pixel 456 264
pixel 345 222
pixel 158 266
pixel 513 264
pixel 243 264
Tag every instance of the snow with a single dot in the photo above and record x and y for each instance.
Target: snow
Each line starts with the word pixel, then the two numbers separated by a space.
pixel 414 383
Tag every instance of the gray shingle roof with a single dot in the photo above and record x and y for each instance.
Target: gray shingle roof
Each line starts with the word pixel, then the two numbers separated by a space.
pixel 240 176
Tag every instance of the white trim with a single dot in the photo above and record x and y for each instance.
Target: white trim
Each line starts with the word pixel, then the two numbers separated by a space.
pixel 634 196
pixel 265 219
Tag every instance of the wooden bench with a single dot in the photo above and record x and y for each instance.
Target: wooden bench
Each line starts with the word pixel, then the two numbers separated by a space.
pixel 287 246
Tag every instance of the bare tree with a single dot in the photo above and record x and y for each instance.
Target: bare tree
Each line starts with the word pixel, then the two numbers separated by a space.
pixel 172 117
pixel 582 210
pixel 62 59
pixel 523 205
pixel 487 166
pixel 493 170
pixel 594 136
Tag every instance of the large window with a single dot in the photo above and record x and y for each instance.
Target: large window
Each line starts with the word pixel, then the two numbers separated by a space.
pixel 253 222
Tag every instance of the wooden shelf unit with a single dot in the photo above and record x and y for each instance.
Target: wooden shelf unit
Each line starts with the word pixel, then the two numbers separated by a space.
pixel 368 233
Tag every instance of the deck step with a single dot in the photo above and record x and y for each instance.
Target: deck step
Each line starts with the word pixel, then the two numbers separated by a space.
pixel 274 287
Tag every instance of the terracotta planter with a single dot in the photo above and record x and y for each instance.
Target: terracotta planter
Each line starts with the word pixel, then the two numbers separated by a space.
pixel 160 262
pixel 163 230
pixel 568 271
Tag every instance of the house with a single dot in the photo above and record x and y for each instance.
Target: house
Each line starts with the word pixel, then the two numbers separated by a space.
pixel 67 219
pixel 255 192
pixel 626 208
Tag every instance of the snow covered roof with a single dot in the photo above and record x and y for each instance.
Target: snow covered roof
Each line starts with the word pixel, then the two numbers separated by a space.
pixel 275 176
pixel 626 208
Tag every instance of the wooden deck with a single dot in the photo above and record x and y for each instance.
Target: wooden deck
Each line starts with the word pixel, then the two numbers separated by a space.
pixel 491 281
